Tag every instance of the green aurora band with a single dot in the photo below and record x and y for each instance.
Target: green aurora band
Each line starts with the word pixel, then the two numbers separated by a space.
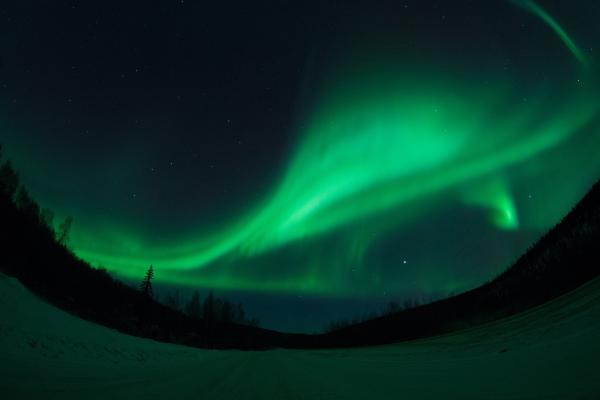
pixel 385 144
pixel 551 22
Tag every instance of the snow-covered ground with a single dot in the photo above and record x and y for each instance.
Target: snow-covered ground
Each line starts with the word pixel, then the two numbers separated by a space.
pixel 551 352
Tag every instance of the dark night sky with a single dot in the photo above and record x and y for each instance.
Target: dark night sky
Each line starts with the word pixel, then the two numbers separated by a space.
pixel 314 160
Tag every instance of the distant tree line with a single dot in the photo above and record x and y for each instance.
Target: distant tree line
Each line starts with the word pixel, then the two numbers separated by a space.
pixel 211 309
pixel 34 249
pixel 36 252
pixel 392 307
pixel 12 190
pixel 564 258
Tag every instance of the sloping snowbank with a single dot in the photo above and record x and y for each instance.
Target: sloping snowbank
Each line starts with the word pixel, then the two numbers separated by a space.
pixel 549 352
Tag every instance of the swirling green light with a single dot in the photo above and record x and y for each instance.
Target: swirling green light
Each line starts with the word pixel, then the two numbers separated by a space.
pixel 366 152
pixel 537 10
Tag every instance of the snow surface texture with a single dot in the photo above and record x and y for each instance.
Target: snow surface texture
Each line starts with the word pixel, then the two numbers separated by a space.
pixel 550 352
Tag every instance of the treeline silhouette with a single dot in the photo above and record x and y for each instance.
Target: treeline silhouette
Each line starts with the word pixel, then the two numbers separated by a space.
pixel 211 308
pixel 392 307
pixel 566 257
pixel 563 259
pixel 37 254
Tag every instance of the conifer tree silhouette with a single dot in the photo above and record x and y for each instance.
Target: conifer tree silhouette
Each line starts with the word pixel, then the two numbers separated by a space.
pixel 146 285
pixel 64 230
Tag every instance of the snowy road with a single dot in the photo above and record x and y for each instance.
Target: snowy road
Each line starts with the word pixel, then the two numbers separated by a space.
pixel 551 352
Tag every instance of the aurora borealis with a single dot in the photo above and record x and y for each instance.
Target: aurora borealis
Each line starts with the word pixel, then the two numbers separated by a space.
pixel 409 149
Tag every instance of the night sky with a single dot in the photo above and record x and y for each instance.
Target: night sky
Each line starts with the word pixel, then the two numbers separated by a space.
pixel 313 160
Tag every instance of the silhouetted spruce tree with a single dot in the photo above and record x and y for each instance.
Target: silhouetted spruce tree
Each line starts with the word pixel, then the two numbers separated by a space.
pixel 336 325
pixel 240 314
pixel 208 307
pixel 392 308
pixel 146 285
pixel 227 311
pixel 47 218
pixel 173 300
pixel 27 205
pixel 192 308
pixel 64 230
pixel 410 303
pixel 9 180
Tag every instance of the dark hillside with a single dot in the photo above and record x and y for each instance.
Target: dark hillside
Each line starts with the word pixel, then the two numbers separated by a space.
pixel 32 251
pixel 566 257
